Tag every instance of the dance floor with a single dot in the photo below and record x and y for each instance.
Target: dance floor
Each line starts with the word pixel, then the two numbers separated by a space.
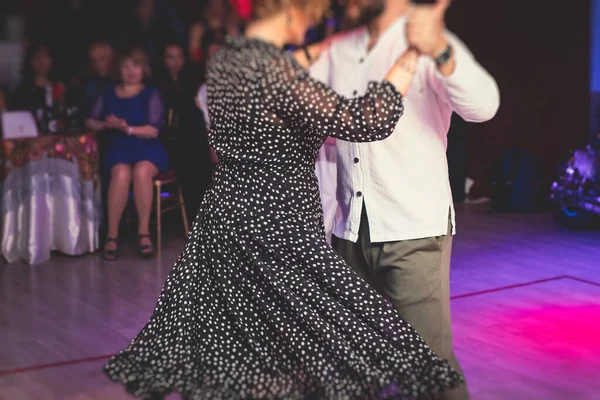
pixel 526 312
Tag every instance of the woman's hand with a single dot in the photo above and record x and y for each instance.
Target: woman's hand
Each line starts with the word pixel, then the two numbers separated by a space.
pixel 95 125
pixel 113 122
pixel 122 125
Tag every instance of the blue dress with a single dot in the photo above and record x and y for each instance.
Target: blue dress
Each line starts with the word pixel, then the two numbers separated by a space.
pixel 146 108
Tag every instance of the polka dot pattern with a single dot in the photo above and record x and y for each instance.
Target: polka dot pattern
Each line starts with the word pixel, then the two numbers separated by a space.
pixel 258 306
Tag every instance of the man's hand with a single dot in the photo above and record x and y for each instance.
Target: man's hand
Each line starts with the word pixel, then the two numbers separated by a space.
pixel 425 28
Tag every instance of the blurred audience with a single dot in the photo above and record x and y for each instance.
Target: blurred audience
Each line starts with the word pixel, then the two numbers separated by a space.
pixel 185 131
pixel 100 68
pixel 150 24
pixel 175 78
pixel 130 115
pixel 39 88
pixel 81 28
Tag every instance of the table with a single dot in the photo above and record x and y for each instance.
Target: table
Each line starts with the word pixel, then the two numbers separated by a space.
pixel 50 191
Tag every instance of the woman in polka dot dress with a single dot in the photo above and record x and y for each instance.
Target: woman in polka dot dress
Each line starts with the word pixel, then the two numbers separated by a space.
pixel 258 306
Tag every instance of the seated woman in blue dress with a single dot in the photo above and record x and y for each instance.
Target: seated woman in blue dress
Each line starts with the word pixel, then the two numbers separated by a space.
pixel 130 116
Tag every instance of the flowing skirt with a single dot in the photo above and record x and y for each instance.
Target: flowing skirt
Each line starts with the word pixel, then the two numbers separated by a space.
pixel 259 306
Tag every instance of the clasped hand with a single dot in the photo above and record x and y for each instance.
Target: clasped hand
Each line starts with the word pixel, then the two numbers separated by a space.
pixel 425 28
pixel 112 122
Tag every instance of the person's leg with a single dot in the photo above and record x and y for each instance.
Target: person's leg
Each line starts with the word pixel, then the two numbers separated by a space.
pixel 118 192
pixel 143 173
pixel 446 336
pixel 354 256
pixel 416 279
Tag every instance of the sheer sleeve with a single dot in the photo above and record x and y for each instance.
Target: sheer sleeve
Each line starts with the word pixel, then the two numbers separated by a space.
pixel 294 95
pixel 97 109
pixel 156 110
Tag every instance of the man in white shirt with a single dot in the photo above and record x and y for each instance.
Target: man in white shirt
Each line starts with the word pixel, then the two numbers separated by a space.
pixel 326 165
pixel 396 214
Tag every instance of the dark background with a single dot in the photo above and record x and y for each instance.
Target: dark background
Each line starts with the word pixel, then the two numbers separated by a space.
pixel 539 52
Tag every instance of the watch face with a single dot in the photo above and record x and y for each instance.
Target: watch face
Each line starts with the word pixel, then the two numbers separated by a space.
pixel 444 57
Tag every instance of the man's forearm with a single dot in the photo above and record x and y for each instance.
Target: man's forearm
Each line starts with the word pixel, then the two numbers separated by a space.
pixel 469 89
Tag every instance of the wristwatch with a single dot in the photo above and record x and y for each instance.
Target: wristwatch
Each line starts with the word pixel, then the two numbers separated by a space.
pixel 444 56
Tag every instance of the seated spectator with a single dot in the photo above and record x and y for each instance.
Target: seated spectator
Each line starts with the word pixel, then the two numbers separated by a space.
pixel 38 88
pixel 175 80
pixel 186 129
pixel 130 116
pixel 100 61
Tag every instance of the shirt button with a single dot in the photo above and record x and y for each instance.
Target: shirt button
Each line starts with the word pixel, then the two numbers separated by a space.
pixel 356 160
pixel 361 60
pixel 354 93
pixel 358 194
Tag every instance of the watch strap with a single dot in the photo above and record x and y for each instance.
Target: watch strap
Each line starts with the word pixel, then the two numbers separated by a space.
pixel 444 56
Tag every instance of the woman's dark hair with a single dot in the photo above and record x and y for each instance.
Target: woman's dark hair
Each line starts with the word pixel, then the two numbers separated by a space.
pixel 163 52
pixel 27 73
pixel 188 77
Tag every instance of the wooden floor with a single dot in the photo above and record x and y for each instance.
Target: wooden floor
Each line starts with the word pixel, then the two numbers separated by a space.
pixel 526 311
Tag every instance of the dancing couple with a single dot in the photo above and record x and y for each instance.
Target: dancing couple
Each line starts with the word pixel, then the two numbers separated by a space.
pixel 258 305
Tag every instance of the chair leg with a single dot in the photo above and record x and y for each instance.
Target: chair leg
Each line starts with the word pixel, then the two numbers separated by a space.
pixel 158 219
pixel 186 226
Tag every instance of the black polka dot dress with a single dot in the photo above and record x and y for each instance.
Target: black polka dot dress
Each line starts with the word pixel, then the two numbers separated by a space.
pixel 258 305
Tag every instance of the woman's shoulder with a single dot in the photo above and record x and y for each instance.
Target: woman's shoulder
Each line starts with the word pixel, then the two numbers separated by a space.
pixel 109 91
pixel 152 93
pixel 150 90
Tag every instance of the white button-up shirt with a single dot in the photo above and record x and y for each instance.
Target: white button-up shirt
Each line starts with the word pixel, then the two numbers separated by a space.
pixel 403 180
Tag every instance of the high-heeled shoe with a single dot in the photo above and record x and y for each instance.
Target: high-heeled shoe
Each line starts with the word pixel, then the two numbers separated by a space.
pixel 110 254
pixel 145 250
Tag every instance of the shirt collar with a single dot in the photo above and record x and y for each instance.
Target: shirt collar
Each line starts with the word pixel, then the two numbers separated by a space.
pixel 394 32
